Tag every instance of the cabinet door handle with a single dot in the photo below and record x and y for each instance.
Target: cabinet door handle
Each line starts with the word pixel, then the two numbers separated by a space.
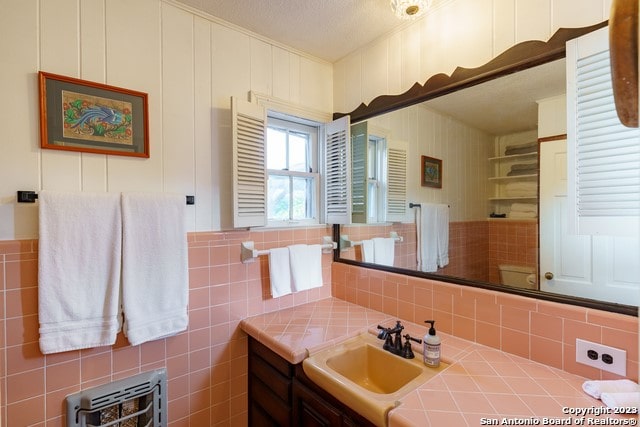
pixel 548 275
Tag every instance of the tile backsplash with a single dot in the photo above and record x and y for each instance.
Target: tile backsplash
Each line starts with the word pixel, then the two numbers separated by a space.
pixel 539 330
pixel 207 364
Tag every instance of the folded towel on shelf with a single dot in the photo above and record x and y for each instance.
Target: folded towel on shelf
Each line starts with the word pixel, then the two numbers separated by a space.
pixel 521 189
pixel 306 266
pixel 524 207
pixel 384 250
pixel 523 169
pixel 525 166
pixel 530 147
pixel 621 400
pixel 367 251
pixel 595 388
pixel 155 277
pixel 279 272
pixel 522 215
pixel 80 241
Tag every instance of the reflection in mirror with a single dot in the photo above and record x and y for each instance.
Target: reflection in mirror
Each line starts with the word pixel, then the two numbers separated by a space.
pixel 488 138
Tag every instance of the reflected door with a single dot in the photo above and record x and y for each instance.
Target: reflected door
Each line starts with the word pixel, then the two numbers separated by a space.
pixel 597 267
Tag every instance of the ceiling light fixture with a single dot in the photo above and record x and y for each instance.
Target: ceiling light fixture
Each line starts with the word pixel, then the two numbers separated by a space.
pixel 409 9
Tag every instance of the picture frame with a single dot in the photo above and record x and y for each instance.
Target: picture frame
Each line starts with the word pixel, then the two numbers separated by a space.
pixel 431 169
pixel 90 117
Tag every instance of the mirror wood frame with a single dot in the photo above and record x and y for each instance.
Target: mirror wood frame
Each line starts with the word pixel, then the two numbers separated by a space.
pixel 522 56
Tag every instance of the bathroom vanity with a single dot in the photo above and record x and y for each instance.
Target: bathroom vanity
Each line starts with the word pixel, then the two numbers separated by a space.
pixel 280 394
pixel 479 385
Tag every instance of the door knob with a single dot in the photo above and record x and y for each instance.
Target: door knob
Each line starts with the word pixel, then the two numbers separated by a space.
pixel 548 275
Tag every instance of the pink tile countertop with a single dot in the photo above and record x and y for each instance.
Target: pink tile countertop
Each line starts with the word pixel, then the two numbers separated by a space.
pixel 482 385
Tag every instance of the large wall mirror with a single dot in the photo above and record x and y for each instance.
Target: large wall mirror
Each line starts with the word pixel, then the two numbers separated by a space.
pixel 498 132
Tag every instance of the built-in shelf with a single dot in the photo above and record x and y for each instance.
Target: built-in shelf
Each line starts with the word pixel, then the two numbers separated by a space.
pixel 514 178
pixel 504 184
pixel 515 157
pixel 495 199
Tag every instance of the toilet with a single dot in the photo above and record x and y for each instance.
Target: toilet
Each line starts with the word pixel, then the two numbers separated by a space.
pixel 518 275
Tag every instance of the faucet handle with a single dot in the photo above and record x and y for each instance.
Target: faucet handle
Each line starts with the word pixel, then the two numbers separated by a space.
pixel 407 351
pixel 384 332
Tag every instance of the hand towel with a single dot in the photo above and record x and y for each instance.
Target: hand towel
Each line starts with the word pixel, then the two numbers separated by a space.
pixel 433 236
pixel 621 400
pixel 78 270
pixel 595 388
pixel 306 266
pixel 427 245
pixel 384 250
pixel 279 272
pixel 367 251
pixel 155 279
pixel 442 233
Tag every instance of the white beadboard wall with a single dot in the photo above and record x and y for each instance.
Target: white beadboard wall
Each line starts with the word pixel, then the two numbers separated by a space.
pixel 466 33
pixel 190 65
pixel 463 150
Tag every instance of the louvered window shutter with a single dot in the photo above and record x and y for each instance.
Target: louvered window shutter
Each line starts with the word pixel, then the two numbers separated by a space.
pixel 337 175
pixel 359 154
pixel 249 168
pixel 603 155
pixel 396 181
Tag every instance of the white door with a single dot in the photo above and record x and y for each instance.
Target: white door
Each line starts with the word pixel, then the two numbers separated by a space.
pixel 598 267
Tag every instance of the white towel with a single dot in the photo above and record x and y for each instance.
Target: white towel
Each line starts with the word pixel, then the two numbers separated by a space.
pixel 595 388
pixel 621 400
pixel 306 266
pixel 279 272
pixel 432 222
pixel 383 250
pixel 155 277
pixel 524 207
pixel 442 231
pixel 367 251
pixel 78 270
pixel 522 215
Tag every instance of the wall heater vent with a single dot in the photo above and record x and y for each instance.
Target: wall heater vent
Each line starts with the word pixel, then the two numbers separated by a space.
pixel 138 401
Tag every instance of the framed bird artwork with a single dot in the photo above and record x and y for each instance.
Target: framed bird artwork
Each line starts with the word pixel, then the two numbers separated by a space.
pixel 431 175
pixel 79 115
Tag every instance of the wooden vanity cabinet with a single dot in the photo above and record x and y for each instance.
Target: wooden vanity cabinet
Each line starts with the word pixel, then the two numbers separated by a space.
pixel 280 394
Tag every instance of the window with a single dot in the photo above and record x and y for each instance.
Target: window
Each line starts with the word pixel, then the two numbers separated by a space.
pixel 275 167
pixel 376 179
pixel 292 177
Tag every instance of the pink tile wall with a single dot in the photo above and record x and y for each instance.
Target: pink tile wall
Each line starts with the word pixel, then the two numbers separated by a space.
pixel 512 242
pixel 206 365
pixel 539 330
pixel 468 247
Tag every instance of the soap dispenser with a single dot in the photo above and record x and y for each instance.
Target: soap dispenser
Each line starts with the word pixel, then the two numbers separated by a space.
pixel 431 347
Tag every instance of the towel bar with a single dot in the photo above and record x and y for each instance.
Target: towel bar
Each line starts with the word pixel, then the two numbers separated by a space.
pixel 417 205
pixel 32 196
pixel 248 252
pixel 345 243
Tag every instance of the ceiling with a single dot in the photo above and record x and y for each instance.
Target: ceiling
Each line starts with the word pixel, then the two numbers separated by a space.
pixel 327 29
pixel 505 105
pixel 331 29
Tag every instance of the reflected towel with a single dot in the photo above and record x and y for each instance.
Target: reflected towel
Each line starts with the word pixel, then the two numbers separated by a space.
pixel 383 250
pixel 155 277
pixel 367 251
pixel 595 388
pixel 279 272
pixel 432 248
pixel 80 238
pixel 306 266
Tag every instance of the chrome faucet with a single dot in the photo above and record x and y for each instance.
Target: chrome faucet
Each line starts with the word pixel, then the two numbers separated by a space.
pixel 394 344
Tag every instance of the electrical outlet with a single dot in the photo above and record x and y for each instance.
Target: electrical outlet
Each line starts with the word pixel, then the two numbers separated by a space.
pixel 600 356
